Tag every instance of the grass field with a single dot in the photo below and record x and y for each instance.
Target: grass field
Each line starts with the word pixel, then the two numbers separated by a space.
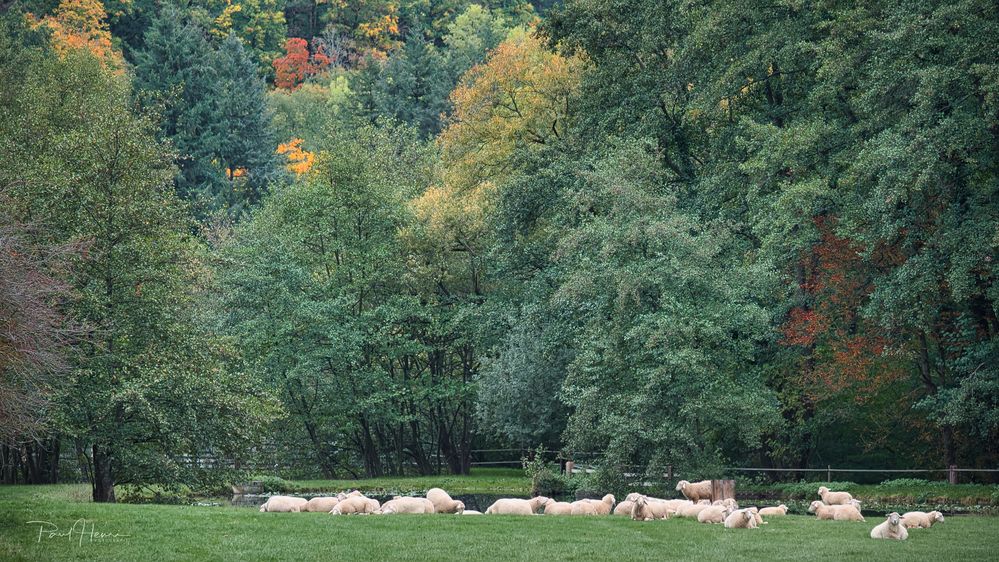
pixel 158 532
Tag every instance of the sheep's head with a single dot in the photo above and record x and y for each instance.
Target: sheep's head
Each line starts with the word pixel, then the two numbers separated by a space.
pixel 855 503
pixel 747 515
pixel 633 496
pixel 823 490
pixel 936 516
pixel 753 509
pixel 681 485
pixel 539 502
pixel 814 506
pixel 609 499
pixel 459 507
pixel 894 518
pixel 782 507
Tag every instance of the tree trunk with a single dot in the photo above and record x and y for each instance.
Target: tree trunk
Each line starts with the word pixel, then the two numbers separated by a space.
pixel 103 484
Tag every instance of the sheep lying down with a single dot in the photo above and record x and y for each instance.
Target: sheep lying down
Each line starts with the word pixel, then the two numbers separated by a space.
pixel 921 519
pixel 774 511
pixel 741 519
pixel 443 502
pixel 355 505
pixel 891 529
pixel 321 504
pixel 516 506
pixel 835 512
pixel 406 505
pixel 284 504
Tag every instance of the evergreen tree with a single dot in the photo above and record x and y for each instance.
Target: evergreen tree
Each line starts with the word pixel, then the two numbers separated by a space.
pixel 245 146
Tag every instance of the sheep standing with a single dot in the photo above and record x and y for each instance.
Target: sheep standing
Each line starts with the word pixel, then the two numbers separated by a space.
pixel 443 503
pixel 834 498
pixel 741 519
pixel 774 511
pixel 891 529
pixel 695 491
pixel 284 504
pixel 835 512
pixel 321 504
pixel 516 506
pixel 355 505
pixel 406 505
pixel 714 514
pixel 921 519
pixel 558 508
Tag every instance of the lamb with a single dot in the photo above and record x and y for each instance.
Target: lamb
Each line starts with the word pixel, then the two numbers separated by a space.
pixel 558 508
pixel 714 514
pixel 835 512
pixel 920 519
pixel 691 510
pixel 321 504
pixel 741 519
pixel 695 491
pixel 355 505
pixel 624 508
pixel 892 528
pixel 443 502
pixel 834 498
pixel 515 506
pixel 284 504
pixel 644 510
pixel 774 511
pixel 406 505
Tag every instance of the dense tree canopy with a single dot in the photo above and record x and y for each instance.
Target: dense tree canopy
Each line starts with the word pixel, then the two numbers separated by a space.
pixel 370 237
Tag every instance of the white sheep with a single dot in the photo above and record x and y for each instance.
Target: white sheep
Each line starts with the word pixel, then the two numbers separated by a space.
pixel 603 506
pixel 695 491
pixel 691 510
pixel 714 514
pixel 892 528
pixel 558 508
pixel 774 511
pixel 635 495
pixel 284 504
pixel 756 515
pixel 644 510
pixel 516 506
pixel 583 507
pixel 624 508
pixel 727 502
pixel 358 505
pixel 921 519
pixel 741 519
pixel 321 504
pixel 406 505
pixel 443 503
pixel 834 498
pixel 835 512
pixel 471 512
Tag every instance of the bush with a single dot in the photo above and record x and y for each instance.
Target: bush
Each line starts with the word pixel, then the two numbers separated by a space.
pixel 273 484
pixel 902 482
pixel 547 478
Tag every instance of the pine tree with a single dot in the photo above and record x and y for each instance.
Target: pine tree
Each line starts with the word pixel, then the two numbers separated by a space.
pixel 245 146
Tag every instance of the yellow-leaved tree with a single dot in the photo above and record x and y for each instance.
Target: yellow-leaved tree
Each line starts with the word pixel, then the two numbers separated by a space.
pixel 82 24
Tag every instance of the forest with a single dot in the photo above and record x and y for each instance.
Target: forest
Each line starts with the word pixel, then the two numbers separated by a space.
pixel 369 237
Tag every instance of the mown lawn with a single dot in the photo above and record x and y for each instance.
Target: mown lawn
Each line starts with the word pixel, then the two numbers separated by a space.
pixel 161 533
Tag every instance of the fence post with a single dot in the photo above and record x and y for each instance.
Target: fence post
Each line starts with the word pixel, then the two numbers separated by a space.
pixel 828 473
pixel 669 472
pixel 569 465
pixel 952 474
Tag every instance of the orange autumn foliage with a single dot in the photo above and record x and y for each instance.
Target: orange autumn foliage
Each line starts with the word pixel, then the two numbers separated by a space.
pixel 846 351
pixel 82 24
pixel 298 64
pixel 299 160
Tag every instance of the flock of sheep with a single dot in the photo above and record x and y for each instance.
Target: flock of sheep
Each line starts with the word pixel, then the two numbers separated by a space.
pixel 838 506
